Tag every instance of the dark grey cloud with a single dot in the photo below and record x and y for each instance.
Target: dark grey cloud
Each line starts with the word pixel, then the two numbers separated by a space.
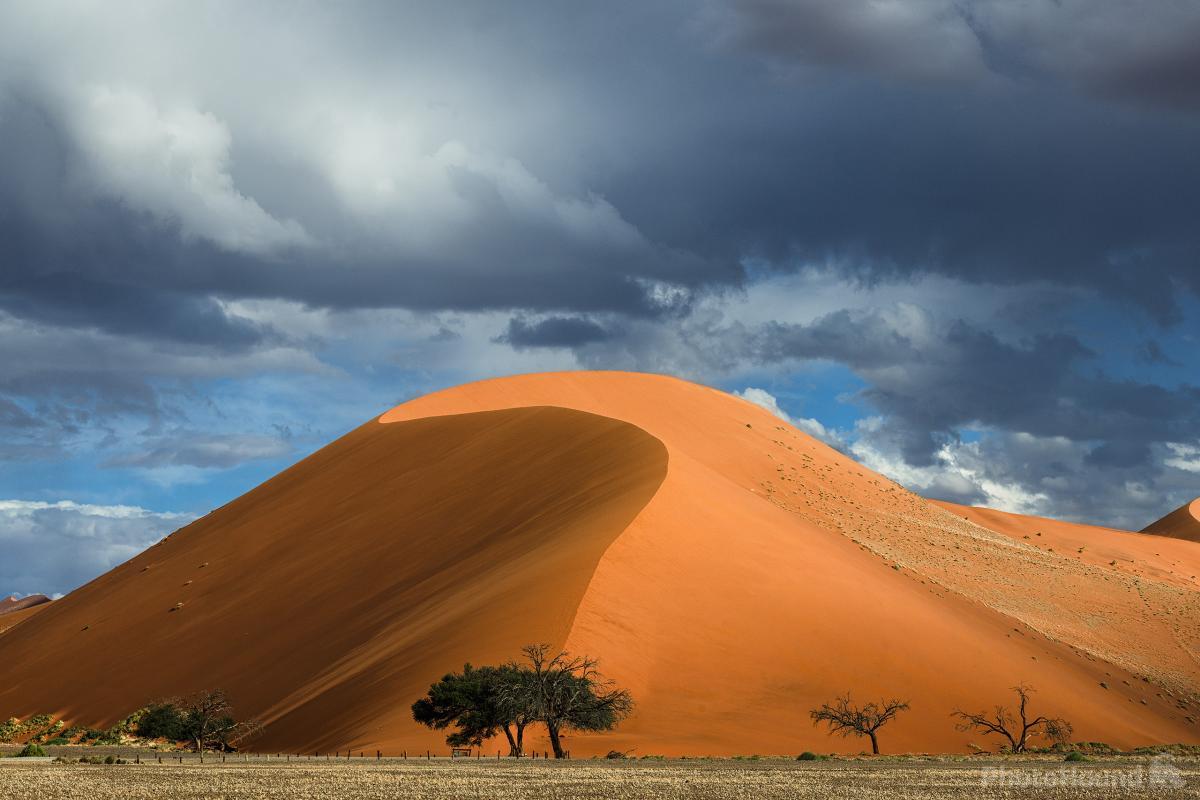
pixel 931 378
pixel 977 182
pixel 605 183
pixel 1109 47
pixel 554 331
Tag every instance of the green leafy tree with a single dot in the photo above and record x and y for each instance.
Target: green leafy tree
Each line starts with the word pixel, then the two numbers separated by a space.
pixel 477 702
pixel 162 720
pixel 566 693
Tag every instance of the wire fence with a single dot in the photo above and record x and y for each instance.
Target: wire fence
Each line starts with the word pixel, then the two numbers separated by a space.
pixel 145 755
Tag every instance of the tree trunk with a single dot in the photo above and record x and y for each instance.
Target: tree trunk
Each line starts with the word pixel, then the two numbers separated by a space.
pixel 520 739
pixel 554 742
pixel 874 743
pixel 512 743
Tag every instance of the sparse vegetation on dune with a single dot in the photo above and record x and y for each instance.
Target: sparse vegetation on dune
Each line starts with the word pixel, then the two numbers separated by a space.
pixel 204 721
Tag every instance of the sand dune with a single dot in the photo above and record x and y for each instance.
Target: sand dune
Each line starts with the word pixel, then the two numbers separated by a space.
pixel 730 570
pixel 14 603
pixel 1182 523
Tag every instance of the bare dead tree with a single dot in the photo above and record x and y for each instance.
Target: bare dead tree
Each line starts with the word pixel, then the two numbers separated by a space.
pixel 566 692
pixel 207 718
pixel 846 719
pixel 1016 727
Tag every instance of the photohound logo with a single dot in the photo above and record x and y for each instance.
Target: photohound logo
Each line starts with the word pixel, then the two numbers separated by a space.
pixel 1158 773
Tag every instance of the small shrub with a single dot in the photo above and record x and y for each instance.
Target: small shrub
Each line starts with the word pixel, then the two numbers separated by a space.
pixel 807 755
pixel 1075 755
pixel 32 751
pixel 615 755
pixel 9 729
pixel 110 760
pixel 59 740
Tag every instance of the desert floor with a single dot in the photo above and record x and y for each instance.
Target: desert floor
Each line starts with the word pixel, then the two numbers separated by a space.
pixel 718 778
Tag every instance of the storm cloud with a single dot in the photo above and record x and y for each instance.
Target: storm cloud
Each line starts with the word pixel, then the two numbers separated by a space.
pixel 974 220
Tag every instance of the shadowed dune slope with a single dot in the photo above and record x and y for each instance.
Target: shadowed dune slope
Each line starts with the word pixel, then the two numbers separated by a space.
pixel 728 569
pixel 9 619
pixel 1182 523
pixel 327 599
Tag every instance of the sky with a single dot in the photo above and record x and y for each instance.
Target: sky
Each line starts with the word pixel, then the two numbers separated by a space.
pixel 957 239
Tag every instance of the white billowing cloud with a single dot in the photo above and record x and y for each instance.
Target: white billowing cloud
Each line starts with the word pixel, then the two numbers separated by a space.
pixel 382 172
pixel 173 163
pixel 402 143
pixel 1184 456
pixel 53 547
pixel 958 473
pixel 1050 476
pixel 814 428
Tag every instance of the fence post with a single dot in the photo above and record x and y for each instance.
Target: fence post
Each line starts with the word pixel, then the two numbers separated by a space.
pixel 427 756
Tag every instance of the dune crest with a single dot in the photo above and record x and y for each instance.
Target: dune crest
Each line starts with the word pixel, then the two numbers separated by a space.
pixel 728 569
pixel 13 603
pixel 1182 523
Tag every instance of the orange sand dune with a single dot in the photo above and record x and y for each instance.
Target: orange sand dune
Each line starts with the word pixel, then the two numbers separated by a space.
pixel 1182 523
pixel 14 603
pixel 10 618
pixel 730 570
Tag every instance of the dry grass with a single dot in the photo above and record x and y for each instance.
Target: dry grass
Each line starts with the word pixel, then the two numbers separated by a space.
pixel 592 780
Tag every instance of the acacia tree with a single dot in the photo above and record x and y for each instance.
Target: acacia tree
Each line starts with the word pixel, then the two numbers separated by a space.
pixel 847 719
pixel 566 693
pixel 1016 727
pixel 478 702
pixel 208 721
